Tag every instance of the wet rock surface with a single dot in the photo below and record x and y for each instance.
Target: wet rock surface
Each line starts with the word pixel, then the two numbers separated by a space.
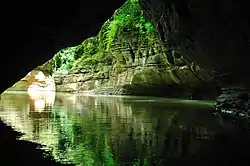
pixel 202 31
pixel 234 101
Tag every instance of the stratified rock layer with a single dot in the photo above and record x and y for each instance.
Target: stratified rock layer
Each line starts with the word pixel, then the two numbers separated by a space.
pixel 215 34
pixel 140 67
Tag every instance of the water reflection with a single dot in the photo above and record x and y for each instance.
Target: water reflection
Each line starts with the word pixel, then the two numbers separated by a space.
pixel 101 130
pixel 41 103
pixel 41 100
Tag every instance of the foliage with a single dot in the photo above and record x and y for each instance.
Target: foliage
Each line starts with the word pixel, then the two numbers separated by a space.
pixel 128 19
pixel 64 59
pixel 95 51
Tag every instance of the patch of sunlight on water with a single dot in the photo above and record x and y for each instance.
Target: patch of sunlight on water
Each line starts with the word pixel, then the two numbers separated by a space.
pixel 110 130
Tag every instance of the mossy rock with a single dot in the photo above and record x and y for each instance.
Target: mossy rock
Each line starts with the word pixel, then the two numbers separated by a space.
pixel 151 75
pixel 174 75
pixel 46 68
pixel 152 90
pixel 119 68
pixel 101 75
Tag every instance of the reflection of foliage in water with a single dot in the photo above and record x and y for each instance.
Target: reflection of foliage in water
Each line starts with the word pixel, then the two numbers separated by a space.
pixel 84 142
pixel 92 138
pixel 107 154
pixel 87 141
pixel 115 131
pixel 137 162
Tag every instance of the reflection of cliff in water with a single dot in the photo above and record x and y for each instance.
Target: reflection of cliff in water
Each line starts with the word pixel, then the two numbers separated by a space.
pixel 101 130
pixel 41 104
pixel 28 112
pixel 152 128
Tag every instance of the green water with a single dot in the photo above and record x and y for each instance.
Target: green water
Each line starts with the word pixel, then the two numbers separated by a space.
pixel 111 130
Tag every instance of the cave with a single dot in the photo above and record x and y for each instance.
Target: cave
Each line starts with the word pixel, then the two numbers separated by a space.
pixel 213 34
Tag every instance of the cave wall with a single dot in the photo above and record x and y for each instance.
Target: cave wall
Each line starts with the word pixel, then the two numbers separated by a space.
pixel 130 59
pixel 138 66
pixel 213 33
pixel 39 78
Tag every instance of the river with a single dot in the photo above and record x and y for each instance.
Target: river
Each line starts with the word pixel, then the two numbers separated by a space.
pixel 112 130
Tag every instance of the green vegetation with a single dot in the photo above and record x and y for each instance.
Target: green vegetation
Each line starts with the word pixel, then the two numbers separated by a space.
pixel 128 19
pixel 95 51
pixel 64 59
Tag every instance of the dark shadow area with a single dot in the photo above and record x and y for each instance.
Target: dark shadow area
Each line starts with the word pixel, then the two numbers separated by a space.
pixel 230 147
pixel 202 92
pixel 20 152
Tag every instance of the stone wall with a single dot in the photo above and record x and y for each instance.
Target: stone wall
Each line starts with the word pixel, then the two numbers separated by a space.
pixel 139 66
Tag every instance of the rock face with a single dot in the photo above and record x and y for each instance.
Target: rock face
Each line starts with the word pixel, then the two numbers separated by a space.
pixel 38 79
pixel 234 101
pixel 215 34
pixel 127 57
pixel 139 68
pixel 21 85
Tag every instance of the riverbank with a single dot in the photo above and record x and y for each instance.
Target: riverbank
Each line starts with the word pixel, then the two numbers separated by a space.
pixel 19 152
pixel 204 93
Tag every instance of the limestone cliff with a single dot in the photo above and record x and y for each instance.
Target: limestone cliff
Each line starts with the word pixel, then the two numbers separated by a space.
pixel 214 34
pixel 135 61
pixel 137 68
pixel 127 56
pixel 39 79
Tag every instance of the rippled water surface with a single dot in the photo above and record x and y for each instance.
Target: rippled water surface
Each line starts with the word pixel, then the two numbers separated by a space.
pixel 109 130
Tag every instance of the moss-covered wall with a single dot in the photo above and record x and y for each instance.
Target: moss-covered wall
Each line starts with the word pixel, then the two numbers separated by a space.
pixel 127 56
